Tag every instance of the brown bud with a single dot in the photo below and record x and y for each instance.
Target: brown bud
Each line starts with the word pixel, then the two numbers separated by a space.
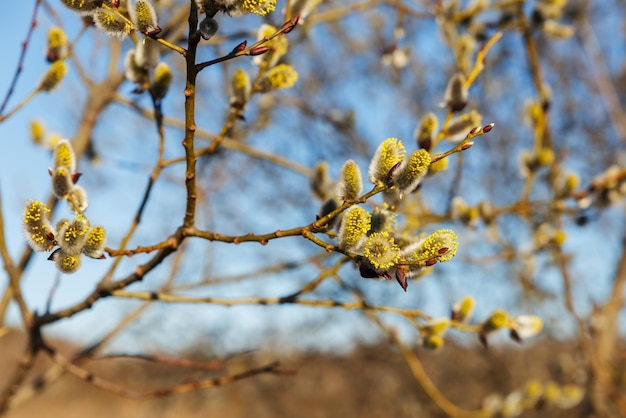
pixel 259 50
pixel 488 128
pixel 242 46
pixel 401 278
pixel 467 146
pixel 289 25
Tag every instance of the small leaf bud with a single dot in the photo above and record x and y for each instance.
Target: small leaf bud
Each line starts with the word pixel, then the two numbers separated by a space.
pixel 278 46
pixel 387 156
pixel 401 277
pixel 349 184
pixel 208 28
pixel 289 25
pixel 53 77
pixel 95 242
pixel 259 50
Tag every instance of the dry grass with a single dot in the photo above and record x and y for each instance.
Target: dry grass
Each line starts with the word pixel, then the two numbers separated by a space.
pixel 370 382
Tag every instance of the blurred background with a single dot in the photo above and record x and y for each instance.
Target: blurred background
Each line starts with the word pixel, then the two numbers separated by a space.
pixel 537 205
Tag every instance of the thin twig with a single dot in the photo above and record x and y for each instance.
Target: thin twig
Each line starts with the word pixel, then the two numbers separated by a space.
pixel 20 62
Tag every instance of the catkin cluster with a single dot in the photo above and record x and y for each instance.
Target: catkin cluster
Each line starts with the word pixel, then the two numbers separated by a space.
pixel 371 238
pixel 74 238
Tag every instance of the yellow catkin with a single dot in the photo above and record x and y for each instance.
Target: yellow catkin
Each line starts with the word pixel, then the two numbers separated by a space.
pixel 53 77
pixel 381 250
pixel 282 76
pixel 355 224
pixel 388 154
pixel 259 7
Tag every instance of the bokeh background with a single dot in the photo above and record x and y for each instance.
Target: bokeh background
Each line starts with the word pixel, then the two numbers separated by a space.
pixel 368 70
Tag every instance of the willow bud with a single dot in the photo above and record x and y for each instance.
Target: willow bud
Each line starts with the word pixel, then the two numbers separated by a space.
pixel 208 28
pixel 460 126
pixel 134 72
pixel 354 225
pixel 53 77
pixel 67 263
pixel 72 235
pixel 282 76
pixel 111 23
pixel 144 17
pixel 63 155
pixel 162 80
pixel 455 97
pixel 350 183
pixel 84 6
pixel 411 171
pixel 62 183
pixel 37 227
pixel 95 242
pixel 463 309
pixel 387 156
pixel 37 132
pixel 240 89
pixel 147 54
pixel 426 131
pixel 57 44
pixel 78 200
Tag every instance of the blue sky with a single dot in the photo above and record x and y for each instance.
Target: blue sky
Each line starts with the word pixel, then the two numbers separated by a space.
pixel 127 147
